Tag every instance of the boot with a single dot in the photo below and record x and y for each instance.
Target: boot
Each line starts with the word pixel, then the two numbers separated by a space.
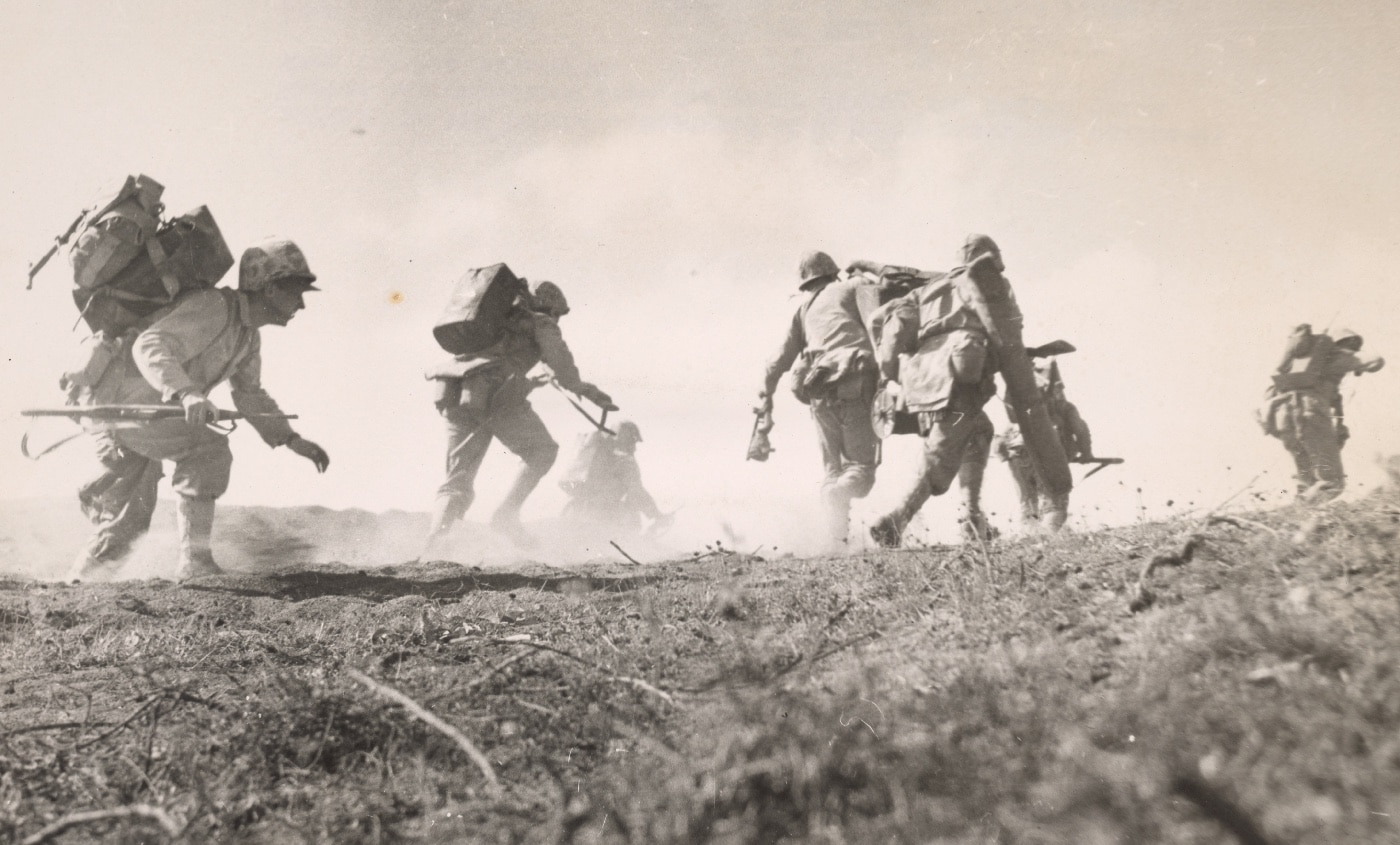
pixel 194 522
pixel 506 519
pixel 91 569
pixel 974 528
pixel 447 512
pixel 886 532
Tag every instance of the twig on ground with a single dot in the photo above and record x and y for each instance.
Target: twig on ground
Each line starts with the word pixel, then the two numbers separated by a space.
pixel 1241 522
pixel 623 553
pixel 53 726
pixel 141 811
pixel 1142 596
pixel 636 682
pixel 643 685
pixel 423 715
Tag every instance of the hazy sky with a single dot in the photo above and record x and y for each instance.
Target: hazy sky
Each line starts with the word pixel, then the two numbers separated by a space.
pixel 1173 186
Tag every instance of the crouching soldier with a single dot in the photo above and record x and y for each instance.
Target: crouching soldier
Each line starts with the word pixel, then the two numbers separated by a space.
pixel 605 485
pixel 829 351
pixel 484 396
pixel 205 338
pixel 1304 407
pixel 936 362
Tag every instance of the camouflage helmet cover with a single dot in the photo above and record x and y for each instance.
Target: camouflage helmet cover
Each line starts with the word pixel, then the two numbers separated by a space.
pixel 548 297
pixel 273 261
pixel 815 265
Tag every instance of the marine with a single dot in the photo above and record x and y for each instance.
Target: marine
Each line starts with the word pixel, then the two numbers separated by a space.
pixel 484 396
pixel 1040 507
pixel 203 339
pixel 1303 406
pixel 827 347
pixel 605 486
pixel 937 363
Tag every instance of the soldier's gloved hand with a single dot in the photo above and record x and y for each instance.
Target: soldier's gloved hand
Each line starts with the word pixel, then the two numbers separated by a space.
pixel 1372 366
pixel 313 453
pixel 198 409
pixel 597 397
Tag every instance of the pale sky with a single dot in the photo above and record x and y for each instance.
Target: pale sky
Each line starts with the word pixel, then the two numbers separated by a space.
pixel 1174 186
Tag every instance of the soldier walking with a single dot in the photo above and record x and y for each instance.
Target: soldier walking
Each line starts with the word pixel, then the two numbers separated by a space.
pixel 484 396
pixel 205 338
pixel 829 351
pixel 1304 407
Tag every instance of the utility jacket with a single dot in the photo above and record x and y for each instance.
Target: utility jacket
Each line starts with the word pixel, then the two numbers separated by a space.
pixel 937 348
pixel 829 327
pixel 530 338
pixel 203 340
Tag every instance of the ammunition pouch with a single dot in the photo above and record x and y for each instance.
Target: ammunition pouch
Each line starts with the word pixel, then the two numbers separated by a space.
pixel 1289 382
pixel 967 355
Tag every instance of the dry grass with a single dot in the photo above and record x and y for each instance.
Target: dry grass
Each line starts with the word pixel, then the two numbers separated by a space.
pixel 931 695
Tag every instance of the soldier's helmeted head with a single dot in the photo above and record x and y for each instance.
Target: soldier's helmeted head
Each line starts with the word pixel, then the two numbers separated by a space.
pixel 977 245
pixel 275 271
pixel 1348 340
pixel 815 267
pixel 628 436
pixel 549 298
pixel 274 260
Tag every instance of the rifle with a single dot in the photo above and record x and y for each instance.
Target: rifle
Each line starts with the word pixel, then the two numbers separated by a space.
pixel 1102 462
pixel 122 416
pixel 140 413
pixel 58 241
pixel 759 447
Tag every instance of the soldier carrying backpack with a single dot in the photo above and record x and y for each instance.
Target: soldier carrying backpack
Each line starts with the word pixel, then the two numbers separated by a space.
pixel 497 330
pixel 163 335
pixel 1303 406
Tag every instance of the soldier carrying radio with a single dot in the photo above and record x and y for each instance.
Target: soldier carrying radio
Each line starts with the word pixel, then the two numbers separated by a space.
pixel 498 329
pixel 1303 407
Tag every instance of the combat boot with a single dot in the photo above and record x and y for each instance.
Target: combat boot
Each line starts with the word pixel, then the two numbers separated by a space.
pixel 194 522
pixel 507 522
pixel 886 532
pixel 90 569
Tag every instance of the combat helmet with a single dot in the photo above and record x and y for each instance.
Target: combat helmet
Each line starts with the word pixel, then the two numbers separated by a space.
pixel 1348 339
pixel 815 265
pixel 273 261
pixel 977 245
pixel 548 297
pixel 627 430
